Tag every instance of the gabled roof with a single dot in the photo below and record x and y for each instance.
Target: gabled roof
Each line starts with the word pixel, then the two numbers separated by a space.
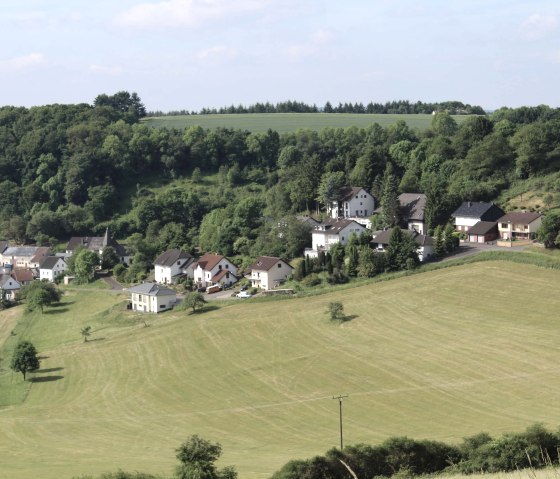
pixel 170 257
pixel 264 263
pixel 4 278
pixel 41 253
pixel 22 275
pixel 412 206
pixel 151 289
pixel 209 260
pixel 385 236
pixel 50 262
pixel 3 246
pixel 334 226
pixel 220 274
pixel 307 219
pixel 96 243
pixel 21 251
pixel 483 227
pixel 478 209
pixel 520 217
pixel 349 192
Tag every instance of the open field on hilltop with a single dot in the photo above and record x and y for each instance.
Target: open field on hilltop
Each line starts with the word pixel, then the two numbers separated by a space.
pixel 286 122
pixel 439 355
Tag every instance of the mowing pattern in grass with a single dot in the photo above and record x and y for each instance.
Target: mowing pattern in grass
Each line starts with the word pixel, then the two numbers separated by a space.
pixel 286 122
pixel 439 355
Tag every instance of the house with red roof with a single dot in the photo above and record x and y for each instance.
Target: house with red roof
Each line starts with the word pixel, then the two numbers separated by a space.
pixel 212 269
pixel 268 272
pixel 519 225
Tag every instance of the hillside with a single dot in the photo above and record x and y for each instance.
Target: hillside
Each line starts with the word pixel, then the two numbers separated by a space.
pixel 290 122
pixel 440 355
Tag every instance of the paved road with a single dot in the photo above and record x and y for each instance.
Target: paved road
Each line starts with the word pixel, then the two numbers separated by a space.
pixel 113 283
pixel 468 249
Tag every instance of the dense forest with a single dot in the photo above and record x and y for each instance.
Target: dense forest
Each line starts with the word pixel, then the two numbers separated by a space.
pixel 77 169
pixel 391 107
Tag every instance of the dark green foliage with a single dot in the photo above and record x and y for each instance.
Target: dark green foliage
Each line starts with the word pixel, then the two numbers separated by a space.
pixel 401 248
pixel 390 200
pixel 197 457
pixel 335 310
pixel 194 301
pixel 109 258
pixel 549 231
pixel 24 358
pixel 39 294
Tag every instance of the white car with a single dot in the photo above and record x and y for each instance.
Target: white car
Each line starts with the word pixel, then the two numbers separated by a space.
pixel 243 294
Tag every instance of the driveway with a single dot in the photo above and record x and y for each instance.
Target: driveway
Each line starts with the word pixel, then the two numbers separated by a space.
pixel 469 249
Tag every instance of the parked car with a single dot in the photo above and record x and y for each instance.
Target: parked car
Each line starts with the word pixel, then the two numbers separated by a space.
pixel 245 287
pixel 243 294
pixel 213 289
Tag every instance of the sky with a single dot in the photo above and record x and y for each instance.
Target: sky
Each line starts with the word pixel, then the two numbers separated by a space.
pixel 190 54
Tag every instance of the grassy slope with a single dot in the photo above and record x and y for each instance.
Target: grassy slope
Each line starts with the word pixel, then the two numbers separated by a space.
pixel 286 122
pixel 439 355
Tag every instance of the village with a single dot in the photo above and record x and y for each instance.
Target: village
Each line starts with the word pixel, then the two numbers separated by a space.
pixel 474 223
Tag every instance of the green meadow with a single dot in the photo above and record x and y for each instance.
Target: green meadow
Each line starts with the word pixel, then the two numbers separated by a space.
pixel 288 122
pixel 441 355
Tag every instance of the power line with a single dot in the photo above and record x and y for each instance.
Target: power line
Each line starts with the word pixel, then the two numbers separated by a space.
pixel 340 398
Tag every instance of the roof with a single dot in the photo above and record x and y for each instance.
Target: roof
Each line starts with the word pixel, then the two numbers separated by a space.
pixel 209 260
pixel 22 275
pixel 520 217
pixel 349 192
pixel 170 257
pixel 49 262
pixel 334 226
pixel 482 228
pixel 4 278
pixel 220 274
pixel 264 263
pixel 3 246
pixel 96 243
pixel 307 219
pixel 412 206
pixel 479 209
pixel 20 251
pixel 385 236
pixel 42 252
pixel 151 289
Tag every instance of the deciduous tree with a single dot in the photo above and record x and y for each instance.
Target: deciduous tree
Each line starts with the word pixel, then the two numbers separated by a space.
pixel 25 358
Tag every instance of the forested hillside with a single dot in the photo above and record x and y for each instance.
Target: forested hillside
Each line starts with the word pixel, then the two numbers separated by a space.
pixel 76 169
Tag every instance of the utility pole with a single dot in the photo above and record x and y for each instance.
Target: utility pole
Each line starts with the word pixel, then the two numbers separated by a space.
pixel 340 398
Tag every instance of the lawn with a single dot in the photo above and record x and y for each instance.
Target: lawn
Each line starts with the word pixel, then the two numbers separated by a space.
pixel 287 122
pixel 440 355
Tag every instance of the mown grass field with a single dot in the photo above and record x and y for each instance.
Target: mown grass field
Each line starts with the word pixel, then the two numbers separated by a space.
pixel 287 122
pixel 439 355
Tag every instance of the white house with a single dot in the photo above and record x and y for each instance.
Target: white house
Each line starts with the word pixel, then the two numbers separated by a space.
pixel 171 265
pixel 330 232
pixel 425 243
pixel 471 212
pixel 268 272
pixel 151 298
pixel 51 267
pixel 24 256
pixel 519 225
pixel 213 269
pixel 355 202
pixel 98 244
pixel 9 287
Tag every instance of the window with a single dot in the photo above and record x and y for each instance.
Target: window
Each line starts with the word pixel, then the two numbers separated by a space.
pixel 504 225
pixel 139 297
pixel 227 266
pixel 161 306
pixel 343 238
pixel 220 267
pixel 279 265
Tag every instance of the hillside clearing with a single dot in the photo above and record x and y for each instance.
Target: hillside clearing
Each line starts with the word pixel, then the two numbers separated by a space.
pixel 438 355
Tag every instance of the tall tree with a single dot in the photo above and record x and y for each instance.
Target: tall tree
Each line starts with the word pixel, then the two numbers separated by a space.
pixel 197 457
pixel 25 358
pixel 390 199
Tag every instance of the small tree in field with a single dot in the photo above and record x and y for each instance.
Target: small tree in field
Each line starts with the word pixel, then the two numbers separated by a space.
pixel 86 332
pixel 197 457
pixel 25 358
pixel 336 310
pixel 195 301
pixel 39 294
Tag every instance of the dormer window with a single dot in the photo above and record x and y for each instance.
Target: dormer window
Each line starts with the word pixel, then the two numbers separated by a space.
pixel 220 267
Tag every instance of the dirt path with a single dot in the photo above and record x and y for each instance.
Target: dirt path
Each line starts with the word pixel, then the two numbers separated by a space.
pixel 113 283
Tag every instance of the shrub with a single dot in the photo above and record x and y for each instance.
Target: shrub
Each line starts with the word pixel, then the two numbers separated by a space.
pixel 312 280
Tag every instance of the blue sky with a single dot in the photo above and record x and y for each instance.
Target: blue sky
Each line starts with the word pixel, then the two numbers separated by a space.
pixel 187 54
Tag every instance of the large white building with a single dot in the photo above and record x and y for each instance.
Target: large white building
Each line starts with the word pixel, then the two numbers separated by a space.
pixel 355 202
pixel 212 269
pixel 330 232
pixel 171 265
pixel 51 267
pixel 151 298
pixel 269 272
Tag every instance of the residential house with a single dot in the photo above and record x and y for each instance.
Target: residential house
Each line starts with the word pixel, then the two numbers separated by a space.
pixel 355 202
pixel 8 287
pixel 483 232
pixel 151 298
pixel 23 276
pixel 330 232
pixel 268 272
pixel 308 220
pixel 411 211
pixel 471 212
pixel 212 269
pixel 51 267
pixel 172 265
pixel 98 244
pixel 425 243
pixel 519 225
pixel 24 256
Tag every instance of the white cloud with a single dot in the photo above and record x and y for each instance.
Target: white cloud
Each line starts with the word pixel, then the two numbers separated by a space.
pixel 216 54
pixel 105 70
pixel 24 62
pixel 319 41
pixel 184 13
pixel 537 26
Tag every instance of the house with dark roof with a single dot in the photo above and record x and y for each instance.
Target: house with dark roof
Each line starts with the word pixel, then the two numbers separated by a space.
pixel 212 269
pixel 98 244
pixel 151 298
pixel 519 225
pixel 23 276
pixel 172 265
pixel 471 212
pixel 8 287
pixel 354 202
pixel 411 211
pixel 268 272
pixel 425 243
pixel 330 232
pixel 483 232
pixel 51 267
